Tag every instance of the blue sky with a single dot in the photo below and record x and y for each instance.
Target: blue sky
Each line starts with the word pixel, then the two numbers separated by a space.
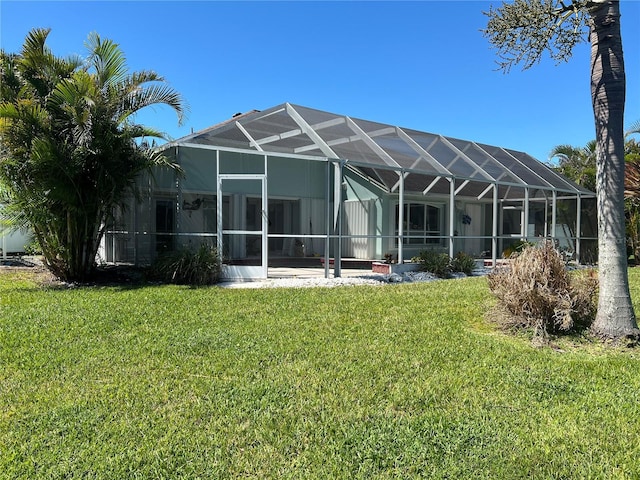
pixel 420 64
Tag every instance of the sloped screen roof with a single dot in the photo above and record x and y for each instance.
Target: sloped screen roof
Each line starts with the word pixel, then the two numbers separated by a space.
pixel 376 149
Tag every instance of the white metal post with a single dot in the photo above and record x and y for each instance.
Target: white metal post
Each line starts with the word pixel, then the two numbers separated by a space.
pixel 578 226
pixel 546 216
pixel 452 213
pixel 525 216
pixel 135 233
pixel 179 199
pixel 327 242
pixel 494 227
pixel 337 198
pixel 219 229
pixel 265 222
pixel 401 220
pixel 554 211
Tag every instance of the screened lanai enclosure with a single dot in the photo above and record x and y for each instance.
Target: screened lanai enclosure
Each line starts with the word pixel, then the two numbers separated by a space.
pixel 297 186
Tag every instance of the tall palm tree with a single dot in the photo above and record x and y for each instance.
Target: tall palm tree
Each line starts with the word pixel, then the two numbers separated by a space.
pixel 615 315
pixel 522 30
pixel 71 150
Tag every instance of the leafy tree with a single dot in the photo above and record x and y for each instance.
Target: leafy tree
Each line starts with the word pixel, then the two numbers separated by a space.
pixel 577 163
pixel 632 190
pixel 522 31
pixel 70 149
pixel 631 145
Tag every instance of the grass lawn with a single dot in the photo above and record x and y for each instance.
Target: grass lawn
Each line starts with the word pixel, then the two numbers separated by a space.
pixel 401 381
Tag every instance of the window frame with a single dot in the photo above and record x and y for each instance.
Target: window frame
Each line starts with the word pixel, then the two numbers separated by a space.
pixel 420 233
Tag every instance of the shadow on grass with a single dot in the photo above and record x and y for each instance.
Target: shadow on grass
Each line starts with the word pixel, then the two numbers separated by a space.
pixel 118 277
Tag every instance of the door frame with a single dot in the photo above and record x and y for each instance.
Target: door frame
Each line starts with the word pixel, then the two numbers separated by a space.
pixel 244 272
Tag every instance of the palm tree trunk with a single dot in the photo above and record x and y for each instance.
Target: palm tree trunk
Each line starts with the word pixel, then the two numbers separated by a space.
pixel 615 317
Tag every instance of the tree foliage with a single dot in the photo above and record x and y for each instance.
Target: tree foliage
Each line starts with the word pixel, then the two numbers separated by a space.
pixel 523 30
pixel 70 148
pixel 577 163
pixel 632 191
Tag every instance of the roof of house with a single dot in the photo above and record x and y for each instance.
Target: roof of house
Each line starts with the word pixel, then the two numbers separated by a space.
pixel 384 152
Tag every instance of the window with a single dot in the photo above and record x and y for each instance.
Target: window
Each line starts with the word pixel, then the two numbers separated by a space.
pixel 422 223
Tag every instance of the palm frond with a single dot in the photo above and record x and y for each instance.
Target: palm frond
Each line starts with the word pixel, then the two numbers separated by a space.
pixel 632 180
pixel 39 68
pixel 154 94
pixel 107 59
pixel 160 159
pixel 563 151
pixel 10 82
pixel 143 76
pixel 633 129
pixel 35 43
pixel 74 94
pixel 142 131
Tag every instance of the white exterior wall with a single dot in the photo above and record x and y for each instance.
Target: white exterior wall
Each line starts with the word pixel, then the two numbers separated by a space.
pixel 359 219
pixel 14 242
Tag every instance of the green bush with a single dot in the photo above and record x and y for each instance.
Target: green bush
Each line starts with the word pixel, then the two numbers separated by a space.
pixel 188 267
pixel 515 248
pixel 536 291
pixel 463 262
pixel 434 262
pixel 33 247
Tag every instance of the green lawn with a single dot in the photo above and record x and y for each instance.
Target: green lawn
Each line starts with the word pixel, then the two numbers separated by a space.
pixel 401 381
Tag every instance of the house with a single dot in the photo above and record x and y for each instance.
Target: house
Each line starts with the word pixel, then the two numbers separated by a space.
pixel 294 185
pixel 12 241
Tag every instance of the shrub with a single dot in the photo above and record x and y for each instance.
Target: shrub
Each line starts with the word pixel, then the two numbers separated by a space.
pixel 33 247
pixel 463 262
pixel 515 248
pixel 188 267
pixel 535 291
pixel 431 261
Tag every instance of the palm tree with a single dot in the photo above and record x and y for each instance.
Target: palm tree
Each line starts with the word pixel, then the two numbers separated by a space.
pixel 71 150
pixel 632 189
pixel 577 163
pixel 615 317
pixel 522 30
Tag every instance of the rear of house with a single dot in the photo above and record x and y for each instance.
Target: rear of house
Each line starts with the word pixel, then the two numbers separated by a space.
pixel 296 186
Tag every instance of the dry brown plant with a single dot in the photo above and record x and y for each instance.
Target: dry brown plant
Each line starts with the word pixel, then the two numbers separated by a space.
pixel 535 291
